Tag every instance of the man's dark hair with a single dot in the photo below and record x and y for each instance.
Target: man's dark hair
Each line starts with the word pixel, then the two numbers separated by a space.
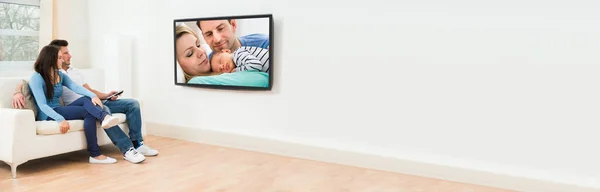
pixel 198 24
pixel 59 43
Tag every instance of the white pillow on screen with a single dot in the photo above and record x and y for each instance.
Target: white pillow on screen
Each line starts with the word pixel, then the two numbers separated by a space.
pixel 180 76
pixel 207 49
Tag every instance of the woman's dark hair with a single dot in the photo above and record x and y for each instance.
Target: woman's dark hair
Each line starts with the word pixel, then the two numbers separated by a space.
pixel 46 66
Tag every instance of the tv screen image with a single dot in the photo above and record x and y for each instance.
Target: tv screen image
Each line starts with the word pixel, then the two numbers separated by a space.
pixel 228 52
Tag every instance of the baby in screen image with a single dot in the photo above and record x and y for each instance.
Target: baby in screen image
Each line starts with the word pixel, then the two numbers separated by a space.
pixel 242 59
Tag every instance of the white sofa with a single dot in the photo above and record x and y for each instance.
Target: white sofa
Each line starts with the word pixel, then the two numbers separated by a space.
pixel 23 139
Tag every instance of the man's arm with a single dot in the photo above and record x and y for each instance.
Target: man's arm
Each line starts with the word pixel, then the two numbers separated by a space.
pixel 19 88
pixel 18 101
pixel 100 95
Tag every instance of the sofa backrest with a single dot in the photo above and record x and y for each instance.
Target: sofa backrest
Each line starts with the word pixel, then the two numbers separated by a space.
pixel 94 77
pixel 7 88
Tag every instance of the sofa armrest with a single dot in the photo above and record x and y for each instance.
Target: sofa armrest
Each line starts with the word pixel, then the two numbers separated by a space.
pixel 17 133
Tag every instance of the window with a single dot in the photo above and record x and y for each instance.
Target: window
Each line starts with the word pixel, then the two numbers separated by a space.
pixel 19 33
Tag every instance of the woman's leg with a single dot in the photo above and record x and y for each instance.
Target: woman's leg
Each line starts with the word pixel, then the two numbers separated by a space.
pixel 96 111
pixel 78 112
pixel 115 133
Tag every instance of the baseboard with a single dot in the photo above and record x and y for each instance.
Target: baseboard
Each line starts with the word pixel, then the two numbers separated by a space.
pixel 370 161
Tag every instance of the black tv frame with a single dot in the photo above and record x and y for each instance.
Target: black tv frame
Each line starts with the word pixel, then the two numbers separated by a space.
pixel 229 87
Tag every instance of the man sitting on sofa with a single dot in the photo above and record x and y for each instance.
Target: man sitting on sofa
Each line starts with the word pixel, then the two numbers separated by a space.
pixel 130 107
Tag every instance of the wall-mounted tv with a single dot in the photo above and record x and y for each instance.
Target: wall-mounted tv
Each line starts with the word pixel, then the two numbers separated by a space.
pixel 227 52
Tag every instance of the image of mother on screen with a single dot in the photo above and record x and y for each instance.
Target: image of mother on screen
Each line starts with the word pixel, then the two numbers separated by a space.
pixel 191 56
pixel 242 55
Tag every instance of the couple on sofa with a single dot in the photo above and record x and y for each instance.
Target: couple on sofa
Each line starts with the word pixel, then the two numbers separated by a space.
pixel 55 80
pixel 229 53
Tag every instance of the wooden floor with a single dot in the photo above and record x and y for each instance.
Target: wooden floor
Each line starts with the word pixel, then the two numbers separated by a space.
pixel 187 166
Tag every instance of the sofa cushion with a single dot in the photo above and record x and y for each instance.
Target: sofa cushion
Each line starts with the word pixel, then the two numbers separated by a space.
pixel 51 127
pixel 29 100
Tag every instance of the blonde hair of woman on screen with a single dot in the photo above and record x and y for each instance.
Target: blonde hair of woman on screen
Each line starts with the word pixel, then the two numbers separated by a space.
pixel 190 54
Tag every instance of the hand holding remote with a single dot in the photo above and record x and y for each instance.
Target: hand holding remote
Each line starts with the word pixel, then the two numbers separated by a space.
pixel 114 96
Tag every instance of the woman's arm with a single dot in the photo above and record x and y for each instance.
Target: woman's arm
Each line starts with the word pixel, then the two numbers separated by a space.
pixel 36 83
pixel 76 87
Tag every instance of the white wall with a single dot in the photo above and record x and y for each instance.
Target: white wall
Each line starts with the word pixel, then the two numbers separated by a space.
pixel 136 26
pixel 71 23
pixel 509 87
pixel 46 22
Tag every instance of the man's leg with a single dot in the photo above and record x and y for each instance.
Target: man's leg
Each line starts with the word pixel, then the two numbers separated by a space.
pixel 120 139
pixel 131 108
pixel 117 136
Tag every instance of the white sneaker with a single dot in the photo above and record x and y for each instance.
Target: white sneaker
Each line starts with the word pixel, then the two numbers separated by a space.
pixel 108 160
pixel 133 156
pixel 147 151
pixel 109 122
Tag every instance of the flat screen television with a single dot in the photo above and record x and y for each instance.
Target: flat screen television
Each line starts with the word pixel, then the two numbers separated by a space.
pixel 226 52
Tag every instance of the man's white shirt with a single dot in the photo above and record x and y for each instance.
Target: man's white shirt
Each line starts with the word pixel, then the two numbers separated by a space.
pixel 69 96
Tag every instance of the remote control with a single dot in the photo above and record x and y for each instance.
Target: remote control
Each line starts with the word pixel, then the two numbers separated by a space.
pixel 113 95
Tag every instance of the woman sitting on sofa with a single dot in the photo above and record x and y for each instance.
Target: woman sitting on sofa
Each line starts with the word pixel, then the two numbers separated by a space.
pixel 46 86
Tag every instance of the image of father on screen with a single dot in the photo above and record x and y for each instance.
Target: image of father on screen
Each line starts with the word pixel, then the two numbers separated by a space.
pixel 224 58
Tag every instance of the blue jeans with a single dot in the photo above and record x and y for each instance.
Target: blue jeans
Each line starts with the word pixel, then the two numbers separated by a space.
pixel 131 109
pixel 83 108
